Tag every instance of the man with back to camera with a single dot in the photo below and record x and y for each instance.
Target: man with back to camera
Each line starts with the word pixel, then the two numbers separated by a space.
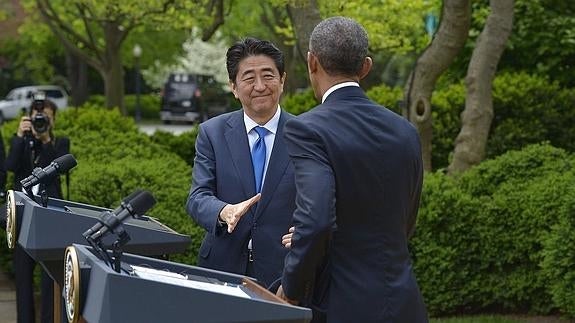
pixel 34 145
pixel 243 191
pixel 358 173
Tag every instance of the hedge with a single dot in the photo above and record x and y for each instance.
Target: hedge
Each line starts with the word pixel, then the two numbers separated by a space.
pixel 149 105
pixel 487 241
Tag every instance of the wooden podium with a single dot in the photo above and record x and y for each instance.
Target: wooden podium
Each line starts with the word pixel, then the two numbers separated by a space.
pixel 45 232
pixel 154 290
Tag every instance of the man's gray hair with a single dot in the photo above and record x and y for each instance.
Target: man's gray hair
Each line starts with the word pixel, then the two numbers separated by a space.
pixel 340 44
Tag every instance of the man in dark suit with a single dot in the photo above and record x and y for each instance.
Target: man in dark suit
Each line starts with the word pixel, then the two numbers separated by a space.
pixel 243 191
pixel 358 174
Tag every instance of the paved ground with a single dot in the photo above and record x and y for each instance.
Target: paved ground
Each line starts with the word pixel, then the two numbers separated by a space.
pixel 176 129
pixel 7 300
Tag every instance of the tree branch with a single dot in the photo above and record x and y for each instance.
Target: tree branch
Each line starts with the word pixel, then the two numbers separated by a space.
pixel 59 28
pixel 218 18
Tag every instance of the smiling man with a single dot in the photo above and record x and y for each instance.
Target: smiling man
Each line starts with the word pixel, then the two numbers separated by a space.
pixel 243 191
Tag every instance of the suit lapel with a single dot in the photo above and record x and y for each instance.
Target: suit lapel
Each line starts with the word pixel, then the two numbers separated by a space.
pixel 277 166
pixel 237 141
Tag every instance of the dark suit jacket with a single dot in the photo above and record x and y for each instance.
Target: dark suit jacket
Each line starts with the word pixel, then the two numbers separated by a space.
pixel 223 174
pixel 358 173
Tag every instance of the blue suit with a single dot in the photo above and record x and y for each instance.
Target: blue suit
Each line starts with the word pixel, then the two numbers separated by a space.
pixel 223 174
pixel 358 172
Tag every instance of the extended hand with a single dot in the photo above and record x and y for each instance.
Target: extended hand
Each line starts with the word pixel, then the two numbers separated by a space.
pixel 286 239
pixel 280 294
pixel 232 213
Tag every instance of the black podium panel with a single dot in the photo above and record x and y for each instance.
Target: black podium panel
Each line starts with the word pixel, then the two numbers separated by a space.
pixel 108 296
pixel 45 232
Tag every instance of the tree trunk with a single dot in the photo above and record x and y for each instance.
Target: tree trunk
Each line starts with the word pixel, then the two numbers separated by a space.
pixel 113 71
pixel 448 41
pixel 304 17
pixel 114 86
pixel 77 71
pixel 478 113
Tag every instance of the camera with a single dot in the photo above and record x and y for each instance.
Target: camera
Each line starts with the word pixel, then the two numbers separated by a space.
pixel 40 121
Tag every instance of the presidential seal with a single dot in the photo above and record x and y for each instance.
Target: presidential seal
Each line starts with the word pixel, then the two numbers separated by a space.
pixel 11 235
pixel 72 285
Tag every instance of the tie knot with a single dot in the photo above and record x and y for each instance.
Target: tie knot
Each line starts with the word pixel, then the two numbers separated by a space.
pixel 262 132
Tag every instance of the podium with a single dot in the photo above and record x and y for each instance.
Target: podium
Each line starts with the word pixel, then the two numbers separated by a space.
pixel 45 232
pixel 154 290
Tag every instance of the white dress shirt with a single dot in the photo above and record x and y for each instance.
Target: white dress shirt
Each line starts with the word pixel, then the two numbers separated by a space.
pixel 272 127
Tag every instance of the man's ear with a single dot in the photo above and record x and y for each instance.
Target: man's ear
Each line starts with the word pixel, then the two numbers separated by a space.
pixel 366 67
pixel 312 62
pixel 234 88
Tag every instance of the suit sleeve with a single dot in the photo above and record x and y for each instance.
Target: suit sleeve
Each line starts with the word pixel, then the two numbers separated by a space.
pixel 314 216
pixel 203 205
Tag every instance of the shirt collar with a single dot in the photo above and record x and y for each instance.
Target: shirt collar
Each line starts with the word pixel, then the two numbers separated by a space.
pixel 271 125
pixel 335 87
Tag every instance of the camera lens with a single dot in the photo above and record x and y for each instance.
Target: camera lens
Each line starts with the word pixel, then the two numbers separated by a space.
pixel 40 123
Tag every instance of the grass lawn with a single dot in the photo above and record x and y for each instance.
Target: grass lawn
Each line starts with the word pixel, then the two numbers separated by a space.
pixel 500 319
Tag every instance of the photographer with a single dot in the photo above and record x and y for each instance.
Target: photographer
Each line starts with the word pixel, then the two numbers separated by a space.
pixel 34 145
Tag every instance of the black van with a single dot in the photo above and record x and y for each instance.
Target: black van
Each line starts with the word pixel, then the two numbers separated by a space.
pixel 181 99
pixel 192 98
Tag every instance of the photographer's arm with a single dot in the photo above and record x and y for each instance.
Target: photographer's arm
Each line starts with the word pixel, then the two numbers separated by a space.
pixel 16 155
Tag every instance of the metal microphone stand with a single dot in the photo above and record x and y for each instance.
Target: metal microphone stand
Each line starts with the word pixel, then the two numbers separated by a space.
pixel 114 225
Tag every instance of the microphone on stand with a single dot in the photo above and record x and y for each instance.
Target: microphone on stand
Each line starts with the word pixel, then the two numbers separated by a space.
pixel 41 176
pixel 136 204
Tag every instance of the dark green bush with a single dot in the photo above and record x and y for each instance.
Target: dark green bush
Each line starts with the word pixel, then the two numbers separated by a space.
pixel 559 253
pixel 447 103
pixel 528 109
pixel 182 144
pixel 299 103
pixel 305 100
pixel 481 237
pixel 446 246
pixel 149 105
pixel 386 96
pixel 114 159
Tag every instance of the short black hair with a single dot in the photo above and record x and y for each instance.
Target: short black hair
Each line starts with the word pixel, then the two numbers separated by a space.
pixel 251 47
pixel 340 44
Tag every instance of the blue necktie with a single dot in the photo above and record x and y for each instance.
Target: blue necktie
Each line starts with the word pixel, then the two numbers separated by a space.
pixel 259 157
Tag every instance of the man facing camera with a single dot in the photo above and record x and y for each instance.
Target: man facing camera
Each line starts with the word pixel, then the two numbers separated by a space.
pixel 243 191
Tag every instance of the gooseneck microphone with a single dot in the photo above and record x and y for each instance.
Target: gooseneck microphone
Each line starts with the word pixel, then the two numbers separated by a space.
pixel 41 176
pixel 136 204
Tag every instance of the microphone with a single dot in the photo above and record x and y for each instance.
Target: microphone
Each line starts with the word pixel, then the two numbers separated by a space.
pixel 134 205
pixel 58 166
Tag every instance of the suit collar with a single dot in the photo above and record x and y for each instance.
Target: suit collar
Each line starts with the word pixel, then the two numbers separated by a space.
pixel 237 141
pixel 345 92
pixel 337 86
pixel 277 166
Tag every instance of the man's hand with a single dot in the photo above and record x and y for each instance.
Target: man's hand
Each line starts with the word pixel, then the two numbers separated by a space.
pixel 286 239
pixel 280 294
pixel 232 213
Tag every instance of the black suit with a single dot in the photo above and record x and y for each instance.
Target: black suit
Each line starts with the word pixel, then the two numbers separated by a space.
pixel 358 176
pixel 22 158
